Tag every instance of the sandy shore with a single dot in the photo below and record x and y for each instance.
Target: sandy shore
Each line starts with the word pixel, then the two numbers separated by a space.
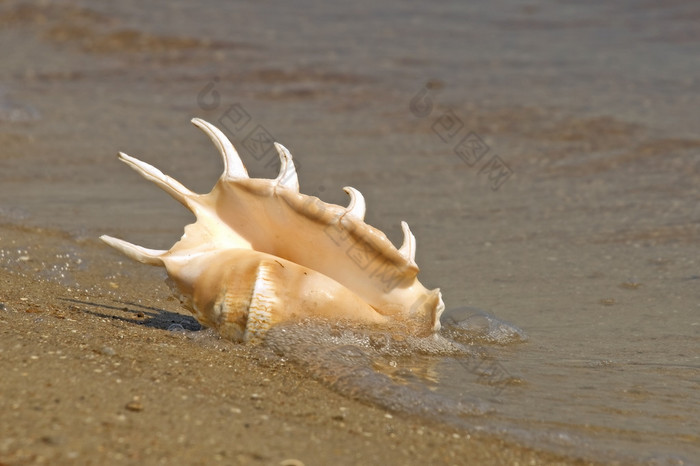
pixel 89 379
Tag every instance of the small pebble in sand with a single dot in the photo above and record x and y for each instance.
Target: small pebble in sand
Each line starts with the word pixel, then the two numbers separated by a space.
pixel 631 285
pixel 291 462
pixel 134 405
pixel 108 351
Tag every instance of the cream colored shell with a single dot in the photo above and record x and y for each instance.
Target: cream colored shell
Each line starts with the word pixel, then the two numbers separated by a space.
pixel 261 253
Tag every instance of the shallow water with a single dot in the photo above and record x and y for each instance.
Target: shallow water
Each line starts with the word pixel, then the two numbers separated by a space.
pixel 585 236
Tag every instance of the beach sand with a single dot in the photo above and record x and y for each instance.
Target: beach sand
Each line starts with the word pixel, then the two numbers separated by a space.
pixel 89 381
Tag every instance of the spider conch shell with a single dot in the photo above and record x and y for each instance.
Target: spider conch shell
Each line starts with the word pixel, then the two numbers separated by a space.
pixel 261 253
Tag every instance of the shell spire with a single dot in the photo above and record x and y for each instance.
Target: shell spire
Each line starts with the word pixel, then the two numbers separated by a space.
pixel 137 253
pixel 288 172
pixel 260 245
pixel 166 183
pixel 408 248
pixel 233 165
pixel 357 207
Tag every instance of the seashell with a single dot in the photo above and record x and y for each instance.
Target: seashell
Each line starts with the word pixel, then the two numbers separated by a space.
pixel 261 253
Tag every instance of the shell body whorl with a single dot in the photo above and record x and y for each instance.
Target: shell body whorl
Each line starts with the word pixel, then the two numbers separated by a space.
pixel 242 293
pixel 261 253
